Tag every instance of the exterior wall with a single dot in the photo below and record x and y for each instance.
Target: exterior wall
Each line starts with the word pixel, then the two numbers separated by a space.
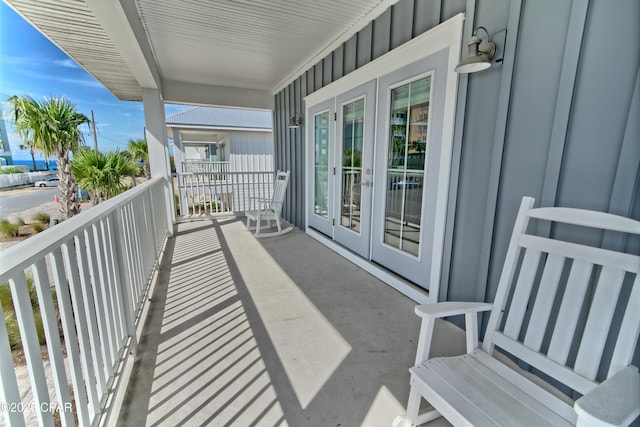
pixel 556 121
pixel 251 151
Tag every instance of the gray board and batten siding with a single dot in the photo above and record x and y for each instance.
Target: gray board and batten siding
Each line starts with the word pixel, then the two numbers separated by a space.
pixel 557 119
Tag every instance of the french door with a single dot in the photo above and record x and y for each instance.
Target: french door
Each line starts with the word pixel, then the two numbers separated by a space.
pixel 342 164
pixel 409 170
pixel 379 156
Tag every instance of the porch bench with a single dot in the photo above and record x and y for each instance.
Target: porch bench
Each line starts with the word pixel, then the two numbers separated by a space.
pixel 547 286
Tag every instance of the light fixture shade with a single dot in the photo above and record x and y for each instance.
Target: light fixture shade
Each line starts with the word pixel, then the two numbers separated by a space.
pixel 295 121
pixel 478 57
pixel 472 64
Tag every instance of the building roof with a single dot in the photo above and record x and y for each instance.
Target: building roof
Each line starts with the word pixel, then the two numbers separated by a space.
pixel 221 118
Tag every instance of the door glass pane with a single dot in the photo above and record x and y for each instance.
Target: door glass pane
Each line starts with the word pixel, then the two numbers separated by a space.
pixel 352 139
pixel 321 164
pixel 408 147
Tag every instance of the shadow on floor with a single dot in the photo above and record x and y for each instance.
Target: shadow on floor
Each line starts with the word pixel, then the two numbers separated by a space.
pixel 278 331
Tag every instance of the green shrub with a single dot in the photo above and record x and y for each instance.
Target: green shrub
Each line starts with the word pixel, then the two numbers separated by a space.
pixel 8 229
pixel 41 217
pixel 20 222
pixel 10 169
pixel 38 227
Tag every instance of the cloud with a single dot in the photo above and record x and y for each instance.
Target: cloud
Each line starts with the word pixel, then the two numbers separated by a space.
pixel 66 63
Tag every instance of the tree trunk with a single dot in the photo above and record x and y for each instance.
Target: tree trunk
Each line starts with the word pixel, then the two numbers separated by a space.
pixel 33 159
pixel 147 170
pixel 69 204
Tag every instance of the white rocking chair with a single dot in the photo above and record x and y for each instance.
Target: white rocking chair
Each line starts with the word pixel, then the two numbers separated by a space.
pixel 558 304
pixel 270 209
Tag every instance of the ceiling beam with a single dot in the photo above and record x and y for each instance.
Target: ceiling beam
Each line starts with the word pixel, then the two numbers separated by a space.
pixel 222 96
pixel 122 23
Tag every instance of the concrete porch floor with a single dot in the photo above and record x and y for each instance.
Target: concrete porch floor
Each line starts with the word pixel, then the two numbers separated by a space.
pixel 278 331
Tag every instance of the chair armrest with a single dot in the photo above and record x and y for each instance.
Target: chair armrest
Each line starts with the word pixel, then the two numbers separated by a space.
pixel 430 312
pixel 615 402
pixel 451 308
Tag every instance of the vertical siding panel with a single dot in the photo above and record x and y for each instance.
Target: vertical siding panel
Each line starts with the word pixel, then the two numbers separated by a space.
pixel 310 80
pixel 338 62
pixel 451 8
pixel 624 196
pixel 401 22
pixel 318 76
pixel 381 37
pixel 426 15
pixel 300 163
pixel 327 70
pixel 570 63
pixel 350 54
pixel 364 46
pixel 601 102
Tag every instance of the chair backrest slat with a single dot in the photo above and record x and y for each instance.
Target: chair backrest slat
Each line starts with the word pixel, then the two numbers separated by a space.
pixel 630 327
pixel 541 313
pixel 601 313
pixel 559 302
pixel 279 191
pixel 569 313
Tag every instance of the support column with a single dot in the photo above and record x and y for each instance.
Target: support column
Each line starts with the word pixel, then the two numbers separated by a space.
pixel 157 141
pixel 178 158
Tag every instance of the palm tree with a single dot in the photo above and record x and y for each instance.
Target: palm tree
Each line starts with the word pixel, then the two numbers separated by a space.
pixel 52 127
pixel 101 174
pixel 140 152
pixel 28 146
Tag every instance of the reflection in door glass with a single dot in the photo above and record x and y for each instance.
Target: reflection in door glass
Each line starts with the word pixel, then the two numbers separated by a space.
pixel 352 139
pixel 321 164
pixel 407 152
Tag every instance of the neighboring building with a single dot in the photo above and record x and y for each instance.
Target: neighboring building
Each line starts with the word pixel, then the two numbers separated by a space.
pixel 5 149
pixel 242 138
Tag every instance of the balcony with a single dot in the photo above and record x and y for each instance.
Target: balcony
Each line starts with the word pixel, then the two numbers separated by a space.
pixel 216 328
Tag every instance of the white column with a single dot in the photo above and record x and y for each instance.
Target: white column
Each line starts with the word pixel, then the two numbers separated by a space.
pixel 157 141
pixel 178 158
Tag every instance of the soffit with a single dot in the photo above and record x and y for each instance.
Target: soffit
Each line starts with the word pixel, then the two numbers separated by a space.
pixel 71 26
pixel 248 44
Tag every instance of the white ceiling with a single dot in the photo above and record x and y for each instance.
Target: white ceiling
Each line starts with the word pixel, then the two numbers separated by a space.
pixel 194 49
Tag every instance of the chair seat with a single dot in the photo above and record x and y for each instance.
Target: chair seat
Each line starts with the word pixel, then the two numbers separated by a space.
pixel 265 215
pixel 479 390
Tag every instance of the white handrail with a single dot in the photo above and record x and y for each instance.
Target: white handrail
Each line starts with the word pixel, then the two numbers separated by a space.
pixel 100 263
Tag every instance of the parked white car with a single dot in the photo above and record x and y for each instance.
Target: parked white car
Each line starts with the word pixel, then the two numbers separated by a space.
pixel 49 182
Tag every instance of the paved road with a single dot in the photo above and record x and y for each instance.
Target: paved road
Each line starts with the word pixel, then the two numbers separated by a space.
pixel 12 201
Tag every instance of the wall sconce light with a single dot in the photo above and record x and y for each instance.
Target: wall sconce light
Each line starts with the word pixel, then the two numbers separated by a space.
pixel 478 57
pixel 295 121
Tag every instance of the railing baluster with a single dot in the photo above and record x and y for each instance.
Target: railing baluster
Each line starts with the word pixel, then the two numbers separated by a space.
pixel 97 306
pixel 103 294
pixel 9 392
pixel 112 288
pixel 87 301
pixel 50 325
pixel 31 346
pixel 81 321
pixel 70 335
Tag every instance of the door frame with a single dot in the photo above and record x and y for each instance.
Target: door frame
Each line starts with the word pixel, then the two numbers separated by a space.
pixel 446 36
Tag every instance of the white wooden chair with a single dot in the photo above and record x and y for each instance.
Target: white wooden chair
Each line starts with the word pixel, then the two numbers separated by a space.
pixel 270 209
pixel 558 306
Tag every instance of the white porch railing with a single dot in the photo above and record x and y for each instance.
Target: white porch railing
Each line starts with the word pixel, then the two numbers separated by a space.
pixel 100 264
pixel 204 193
pixel 205 166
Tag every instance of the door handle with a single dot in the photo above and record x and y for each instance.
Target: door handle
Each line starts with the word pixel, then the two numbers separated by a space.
pixel 366 183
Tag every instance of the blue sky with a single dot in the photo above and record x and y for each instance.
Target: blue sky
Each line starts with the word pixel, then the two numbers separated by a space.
pixel 31 65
